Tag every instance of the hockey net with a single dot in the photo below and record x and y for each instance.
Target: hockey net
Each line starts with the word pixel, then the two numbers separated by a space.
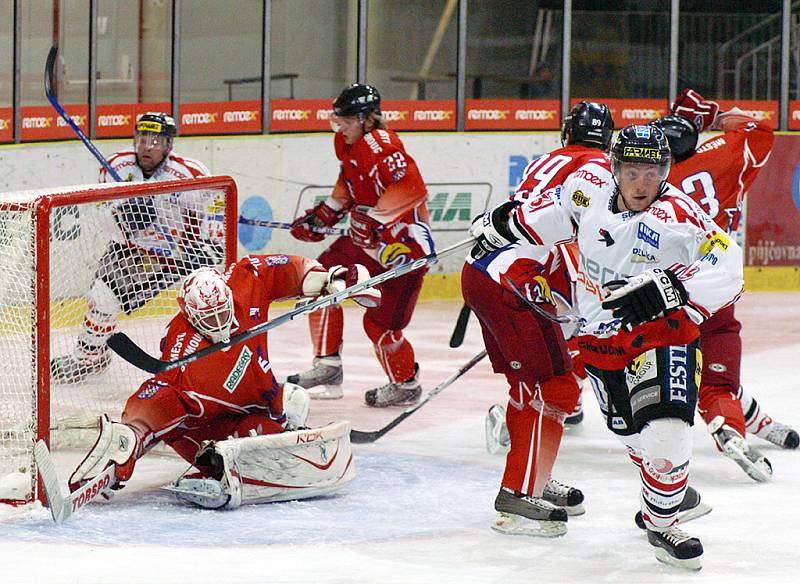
pixel 54 244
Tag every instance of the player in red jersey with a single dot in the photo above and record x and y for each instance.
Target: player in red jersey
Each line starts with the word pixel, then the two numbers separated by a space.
pixel 381 188
pixel 530 349
pixel 717 176
pixel 231 392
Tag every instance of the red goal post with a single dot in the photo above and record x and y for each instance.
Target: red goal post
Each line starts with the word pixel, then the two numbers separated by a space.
pixel 51 244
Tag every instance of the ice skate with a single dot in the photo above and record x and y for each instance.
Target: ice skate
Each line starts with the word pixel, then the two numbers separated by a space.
pixel 735 447
pixel 561 495
pixel 497 439
pixel 71 368
pixel 691 508
pixel 395 394
pixel 779 434
pixel 676 548
pixel 522 515
pixel 323 380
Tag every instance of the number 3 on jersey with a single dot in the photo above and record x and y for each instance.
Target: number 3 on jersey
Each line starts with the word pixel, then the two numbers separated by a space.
pixel 539 173
pixel 700 186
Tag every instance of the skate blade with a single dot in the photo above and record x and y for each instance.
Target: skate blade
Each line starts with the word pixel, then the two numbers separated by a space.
pixel 694 513
pixel 515 525
pixel 757 472
pixel 326 392
pixel 692 564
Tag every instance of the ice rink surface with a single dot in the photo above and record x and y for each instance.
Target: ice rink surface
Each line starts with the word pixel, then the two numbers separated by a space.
pixel 420 507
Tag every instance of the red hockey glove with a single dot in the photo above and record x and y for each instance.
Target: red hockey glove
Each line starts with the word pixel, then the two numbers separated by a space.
pixel 691 105
pixel 320 216
pixel 364 230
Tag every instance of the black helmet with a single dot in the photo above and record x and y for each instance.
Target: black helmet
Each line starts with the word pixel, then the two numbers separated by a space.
pixel 157 123
pixel 357 99
pixel 681 134
pixel 645 144
pixel 588 123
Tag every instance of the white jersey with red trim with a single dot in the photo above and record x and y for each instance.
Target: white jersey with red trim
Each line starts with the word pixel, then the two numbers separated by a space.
pixel 673 233
pixel 170 226
pixel 528 267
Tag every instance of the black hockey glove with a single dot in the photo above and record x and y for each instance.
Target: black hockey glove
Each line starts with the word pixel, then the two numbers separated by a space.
pixel 642 298
pixel 491 230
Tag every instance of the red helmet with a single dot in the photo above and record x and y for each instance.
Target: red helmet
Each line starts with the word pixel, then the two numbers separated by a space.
pixel 207 302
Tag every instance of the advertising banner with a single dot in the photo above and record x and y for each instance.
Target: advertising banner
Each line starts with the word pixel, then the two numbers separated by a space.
pixel 631 111
pixel 220 117
pixel 761 110
pixel 512 114
pixel 42 122
pixel 6 124
pixel 119 120
pixel 773 208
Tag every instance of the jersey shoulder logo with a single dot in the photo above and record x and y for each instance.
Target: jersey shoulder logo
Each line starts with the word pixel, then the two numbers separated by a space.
pixel 580 199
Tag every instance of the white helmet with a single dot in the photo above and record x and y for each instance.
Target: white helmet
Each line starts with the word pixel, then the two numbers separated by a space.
pixel 207 301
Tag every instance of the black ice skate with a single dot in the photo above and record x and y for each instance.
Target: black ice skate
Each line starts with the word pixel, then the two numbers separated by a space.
pixel 522 515
pixel 323 380
pixel 562 495
pixel 676 548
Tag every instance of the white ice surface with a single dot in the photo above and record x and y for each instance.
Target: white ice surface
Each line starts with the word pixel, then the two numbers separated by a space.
pixel 420 507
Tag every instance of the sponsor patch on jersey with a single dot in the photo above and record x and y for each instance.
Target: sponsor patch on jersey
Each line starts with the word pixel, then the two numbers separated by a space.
pixel 642 256
pixel 277 260
pixel 237 373
pixel 718 240
pixel 648 235
pixel 255 313
pixel 580 199
pixel 677 373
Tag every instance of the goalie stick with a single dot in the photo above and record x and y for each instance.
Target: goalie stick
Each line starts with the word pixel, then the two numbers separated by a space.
pixel 62 507
pixel 48 90
pixel 280 225
pixel 358 437
pixel 457 338
pixel 123 346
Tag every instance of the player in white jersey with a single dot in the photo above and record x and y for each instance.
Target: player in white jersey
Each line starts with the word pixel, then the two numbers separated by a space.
pixel 652 265
pixel 153 242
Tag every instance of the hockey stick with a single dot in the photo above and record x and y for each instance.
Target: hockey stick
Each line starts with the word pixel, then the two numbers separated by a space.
pixel 562 319
pixel 48 89
pixel 123 346
pixel 280 225
pixel 461 327
pixel 60 507
pixel 358 437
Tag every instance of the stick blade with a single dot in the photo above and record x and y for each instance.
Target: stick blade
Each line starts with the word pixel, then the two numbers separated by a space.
pixel 460 329
pixel 123 346
pixel 357 437
pixel 47 470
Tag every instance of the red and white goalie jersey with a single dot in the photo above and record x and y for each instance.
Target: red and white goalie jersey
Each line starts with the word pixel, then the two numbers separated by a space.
pixel 672 233
pixel 721 170
pixel 538 271
pixel 377 172
pixel 238 380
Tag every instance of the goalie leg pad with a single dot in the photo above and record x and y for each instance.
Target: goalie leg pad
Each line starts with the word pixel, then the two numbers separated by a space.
pixel 278 467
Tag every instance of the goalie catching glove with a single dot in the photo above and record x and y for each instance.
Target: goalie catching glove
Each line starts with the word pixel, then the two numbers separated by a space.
pixel 318 282
pixel 491 230
pixel 645 297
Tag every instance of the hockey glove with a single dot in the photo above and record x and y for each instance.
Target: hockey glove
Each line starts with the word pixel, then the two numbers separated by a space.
pixel 365 231
pixel 491 230
pixel 691 105
pixel 642 298
pixel 320 216
pixel 318 282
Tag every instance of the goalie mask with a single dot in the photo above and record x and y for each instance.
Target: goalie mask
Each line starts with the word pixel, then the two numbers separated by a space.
pixel 207 302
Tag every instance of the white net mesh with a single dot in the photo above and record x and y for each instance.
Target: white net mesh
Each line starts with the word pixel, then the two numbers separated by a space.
pixel 117 253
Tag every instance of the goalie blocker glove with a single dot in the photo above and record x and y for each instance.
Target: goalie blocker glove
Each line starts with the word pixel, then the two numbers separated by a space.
pixel 491 230
pixel 645 297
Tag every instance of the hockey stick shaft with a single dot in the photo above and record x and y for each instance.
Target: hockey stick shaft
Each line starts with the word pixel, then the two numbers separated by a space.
pixel 62 507
pixel 123 346
pixel 48 89
pixel 457 338
pixel 561 319
pixel 358 437
pixel 281 225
